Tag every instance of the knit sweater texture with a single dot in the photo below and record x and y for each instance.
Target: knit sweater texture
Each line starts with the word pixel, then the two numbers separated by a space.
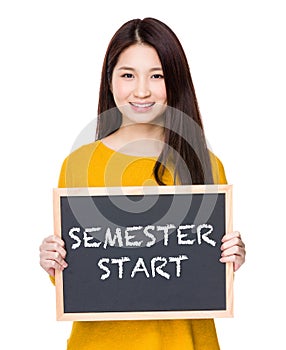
pixel 94 165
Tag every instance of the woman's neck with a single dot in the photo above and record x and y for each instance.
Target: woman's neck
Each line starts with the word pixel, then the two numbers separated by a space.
pixel 138 139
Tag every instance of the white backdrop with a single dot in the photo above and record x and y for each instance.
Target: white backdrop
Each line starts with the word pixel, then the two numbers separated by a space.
pixel 50 65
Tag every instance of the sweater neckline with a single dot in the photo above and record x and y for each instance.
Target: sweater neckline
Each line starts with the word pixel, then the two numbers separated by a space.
pixel 126 155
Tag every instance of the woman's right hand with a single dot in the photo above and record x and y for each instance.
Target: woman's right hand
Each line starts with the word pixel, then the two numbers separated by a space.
pixel 52 255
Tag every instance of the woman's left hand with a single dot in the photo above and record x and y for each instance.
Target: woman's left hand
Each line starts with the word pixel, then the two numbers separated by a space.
pixel 233 249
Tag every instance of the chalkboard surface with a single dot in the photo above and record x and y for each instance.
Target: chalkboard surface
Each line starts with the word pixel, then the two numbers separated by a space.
pixel 143 253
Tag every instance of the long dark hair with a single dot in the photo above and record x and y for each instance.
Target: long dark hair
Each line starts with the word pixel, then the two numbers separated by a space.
pixel 184 144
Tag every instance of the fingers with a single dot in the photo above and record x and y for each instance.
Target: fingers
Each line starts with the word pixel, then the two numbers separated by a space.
pixel 233 249
pixel 53 243
pixel 233 237
pixel 52 255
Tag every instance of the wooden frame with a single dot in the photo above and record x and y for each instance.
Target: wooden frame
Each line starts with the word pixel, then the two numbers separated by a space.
pixel 142 315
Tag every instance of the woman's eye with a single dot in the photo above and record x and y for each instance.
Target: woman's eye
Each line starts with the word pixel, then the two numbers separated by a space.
pixel 157 76
pixel 127 75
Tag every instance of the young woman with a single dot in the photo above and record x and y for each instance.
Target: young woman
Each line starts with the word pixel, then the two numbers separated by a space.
pixel 149 132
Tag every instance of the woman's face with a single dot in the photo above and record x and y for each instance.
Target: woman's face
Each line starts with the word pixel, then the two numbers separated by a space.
pixel 138 85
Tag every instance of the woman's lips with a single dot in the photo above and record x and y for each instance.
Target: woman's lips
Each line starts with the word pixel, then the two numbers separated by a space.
pixel 142 107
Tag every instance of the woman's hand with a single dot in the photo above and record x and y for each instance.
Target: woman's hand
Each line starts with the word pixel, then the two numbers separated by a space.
pixel 52 255
pixel 233 249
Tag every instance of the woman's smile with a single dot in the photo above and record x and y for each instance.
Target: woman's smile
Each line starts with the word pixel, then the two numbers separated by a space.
pixel 141 107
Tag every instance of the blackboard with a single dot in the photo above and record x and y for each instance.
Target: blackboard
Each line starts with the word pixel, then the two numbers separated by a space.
pixel 144 252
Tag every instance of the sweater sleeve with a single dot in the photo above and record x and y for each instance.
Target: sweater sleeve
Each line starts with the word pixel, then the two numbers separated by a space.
pixel 61 183
pixel 53 280
pixel 62 177
pixel 218 170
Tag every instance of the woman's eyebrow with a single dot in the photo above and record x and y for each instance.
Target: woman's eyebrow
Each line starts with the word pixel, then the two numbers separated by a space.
pixel 133 69
pixel 125 68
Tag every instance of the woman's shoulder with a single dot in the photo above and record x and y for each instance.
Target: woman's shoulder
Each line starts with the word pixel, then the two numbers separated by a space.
pixel 217 169
pixel 82 154
pixel 84 149
pixel 75 165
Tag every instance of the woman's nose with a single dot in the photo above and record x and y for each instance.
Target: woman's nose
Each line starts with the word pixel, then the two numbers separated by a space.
pixel 142 89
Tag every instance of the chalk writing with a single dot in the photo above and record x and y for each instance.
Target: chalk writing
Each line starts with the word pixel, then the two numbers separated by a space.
pixel 131 237
pixel 126 239
pixel 140 266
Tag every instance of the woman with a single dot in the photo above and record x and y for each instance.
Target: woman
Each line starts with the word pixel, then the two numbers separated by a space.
pixel 149 132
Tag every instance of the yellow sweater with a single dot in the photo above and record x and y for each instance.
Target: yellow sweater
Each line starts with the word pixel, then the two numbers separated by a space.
pixel 95 165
